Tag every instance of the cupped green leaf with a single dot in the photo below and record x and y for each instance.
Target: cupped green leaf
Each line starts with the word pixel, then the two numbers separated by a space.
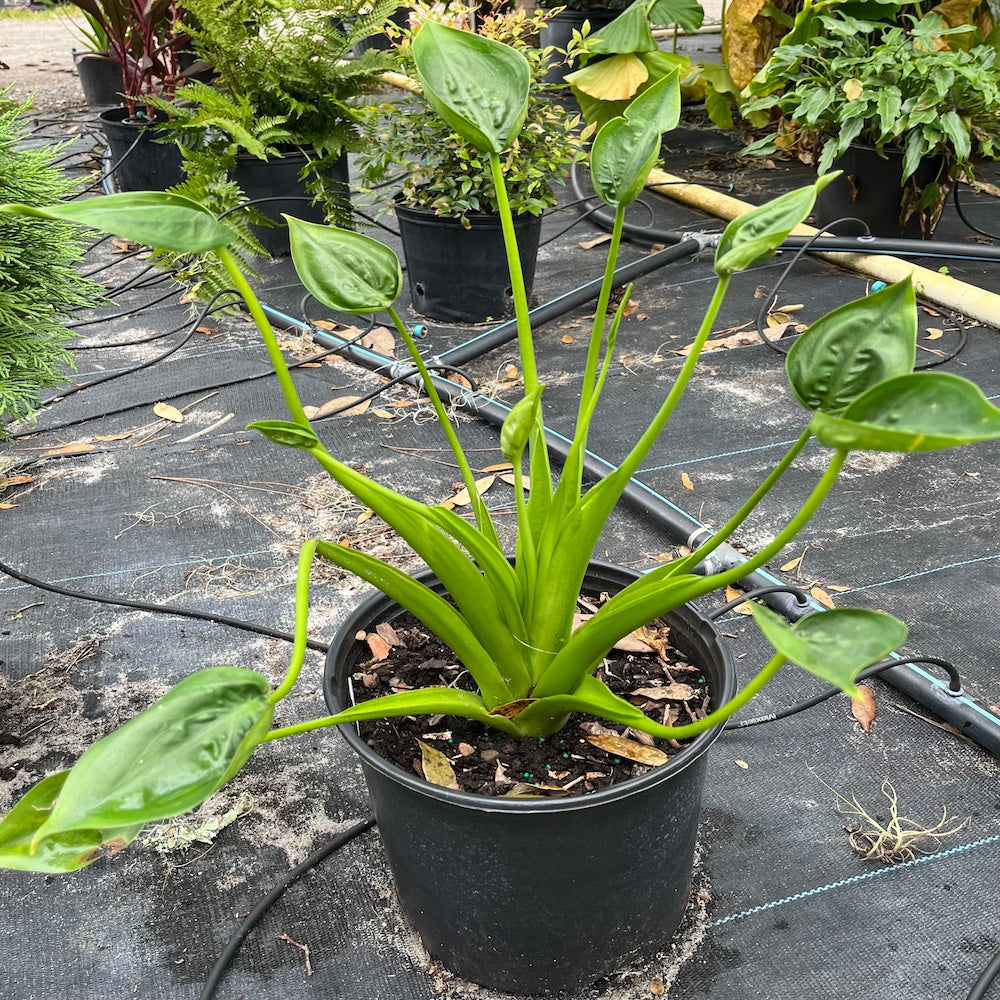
pixel 853 348
pixel 62 852
pixel 477 85
pixel 755 235
pixel 626 148
pixel 346 271
pixel 168 758
pixel 285 432
pixel 833 645
pixel 155 218
pixel 922 411
pixel 689 15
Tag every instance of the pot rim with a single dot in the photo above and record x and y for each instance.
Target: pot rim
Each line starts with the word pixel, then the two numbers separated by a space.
pixel 520 218
pixel 490 804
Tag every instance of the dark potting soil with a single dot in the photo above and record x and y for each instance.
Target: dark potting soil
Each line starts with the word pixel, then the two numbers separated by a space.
pixel 587 754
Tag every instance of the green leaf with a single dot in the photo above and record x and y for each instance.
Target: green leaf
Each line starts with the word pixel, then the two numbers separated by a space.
pixel 853 348
pixel 168 758
pixel 753 237
pixel 833 645
pixel 424 701
pixel 626 148
pixel 65 852
pixel 285 432
pixel 477 85
pixel 346 271
pixel 628 32
pixel 688 15
pixel 923 411
pixel 155 218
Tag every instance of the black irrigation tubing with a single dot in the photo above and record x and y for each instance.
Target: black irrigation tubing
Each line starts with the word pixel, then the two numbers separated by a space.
pixel 167 609
pixel 76 324
pixel 961 214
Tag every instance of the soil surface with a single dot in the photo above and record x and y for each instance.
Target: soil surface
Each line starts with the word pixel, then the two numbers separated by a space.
pixel 586 755
pixel 37 50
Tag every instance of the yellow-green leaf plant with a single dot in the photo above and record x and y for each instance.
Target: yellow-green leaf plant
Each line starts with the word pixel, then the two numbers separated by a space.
pixel 509 621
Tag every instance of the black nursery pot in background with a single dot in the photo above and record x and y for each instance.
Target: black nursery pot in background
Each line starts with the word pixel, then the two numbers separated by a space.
pixel 871 189
pixel 558 32
pixel 532 896
pixel 100 78
pixel 460 275
pixel 139 162
pixel 278 178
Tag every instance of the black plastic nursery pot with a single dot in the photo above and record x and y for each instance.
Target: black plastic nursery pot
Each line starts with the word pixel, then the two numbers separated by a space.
pixel 558 32
pixel 138 161
pixel 278 178
pixel 458 274
pixel 871 189
pixel 532 896
pixel 100 78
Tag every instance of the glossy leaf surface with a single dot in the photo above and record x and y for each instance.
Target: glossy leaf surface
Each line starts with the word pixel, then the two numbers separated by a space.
pixel 626 148
pixel 754 236
pixel 853 348
pixel 922 411
pixel 833 645
pixel 154 218
pixel 477 85
pixel 686 14
pixel 62 852
pixel 628 32
pixel 286 433
pixel 346 271
pixel 168 758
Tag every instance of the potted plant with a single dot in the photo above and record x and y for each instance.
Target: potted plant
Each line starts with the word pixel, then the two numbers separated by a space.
pixel 516 869
pixel 566 21
pixel 619 61
pixel 905 107
pixel 284 108
pixel 143 42
pixel 100 76
pixel 448 206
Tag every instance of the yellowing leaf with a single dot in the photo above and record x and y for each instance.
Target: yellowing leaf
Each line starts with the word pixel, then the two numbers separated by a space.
pixel 437 768
pixel 853 88
pixel 616 78
pixel 686 481
pixel 822 596
pixel 167 412
pixel 621 747
pixel 863 707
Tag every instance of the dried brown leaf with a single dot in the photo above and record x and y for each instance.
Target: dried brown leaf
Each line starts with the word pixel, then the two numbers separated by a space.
pixel 510 479
pixel 595 242
pixel 934 333
pixel 863 707
pixel 462 498
pixel 76 448
pixel 791 564
pixel 667 692
pixel 167 412
pixel 437 767
pixel 741 609
pixel 378 646
pixel 381 341
pixel 388 633
pixel 621 747
pixel 822 596
pixel 511 709
pixel 347 406
pixel 742 764
pixel 566 339
pixel 686 481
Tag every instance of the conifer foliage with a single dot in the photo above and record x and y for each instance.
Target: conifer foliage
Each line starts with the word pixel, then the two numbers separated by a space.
pixel 39 283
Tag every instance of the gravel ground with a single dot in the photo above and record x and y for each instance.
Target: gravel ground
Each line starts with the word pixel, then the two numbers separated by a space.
pixel 38 51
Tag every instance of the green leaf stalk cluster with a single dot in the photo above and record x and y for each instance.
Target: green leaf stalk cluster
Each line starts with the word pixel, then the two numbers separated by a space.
pixel 509 621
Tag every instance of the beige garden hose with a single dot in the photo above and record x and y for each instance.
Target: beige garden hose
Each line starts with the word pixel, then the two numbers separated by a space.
pixel 939 289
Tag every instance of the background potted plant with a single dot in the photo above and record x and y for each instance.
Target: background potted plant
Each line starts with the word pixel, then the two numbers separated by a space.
pixel 565 21
pixel 448 206
pixel 905 107
pixel 143 39
pixel 284 108
pixel 510 620
pixel 100 75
